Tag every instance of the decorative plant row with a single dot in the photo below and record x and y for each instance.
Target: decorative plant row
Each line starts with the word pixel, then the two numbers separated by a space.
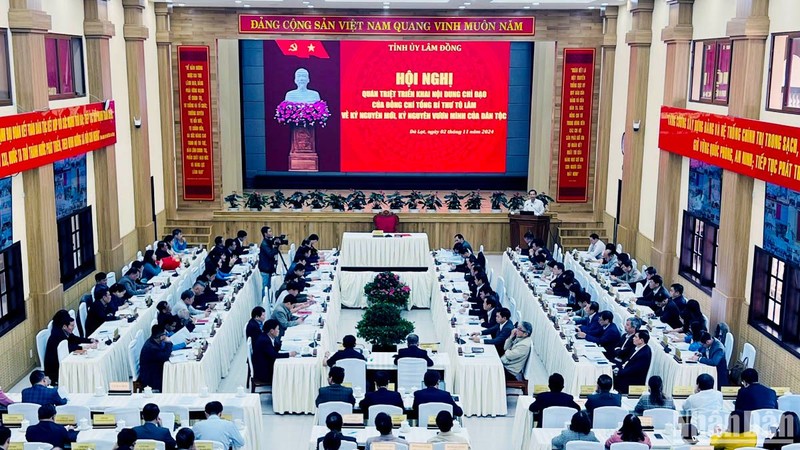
pixel 382 324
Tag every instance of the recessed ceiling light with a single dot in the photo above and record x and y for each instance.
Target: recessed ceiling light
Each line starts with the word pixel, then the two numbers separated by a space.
pixel 310 6
pixel 603 4
pixel 246 6
pixel 385 7
pixel 181 4
pixel 536 4
pixel 526 7
pixel 467 3
pixel 462 7
pixel 590 7
pixel 237 1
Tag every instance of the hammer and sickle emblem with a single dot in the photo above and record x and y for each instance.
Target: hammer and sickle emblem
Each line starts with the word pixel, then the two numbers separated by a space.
pixel 293 47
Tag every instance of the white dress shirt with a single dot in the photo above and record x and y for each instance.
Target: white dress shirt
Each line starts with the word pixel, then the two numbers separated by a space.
pixel 536 206
pixel 596 249
pixel 704 403
pixel 216 429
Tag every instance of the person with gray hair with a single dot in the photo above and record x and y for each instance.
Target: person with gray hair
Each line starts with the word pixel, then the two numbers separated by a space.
pixel 625 347
pixel 517 350
pixel 413 350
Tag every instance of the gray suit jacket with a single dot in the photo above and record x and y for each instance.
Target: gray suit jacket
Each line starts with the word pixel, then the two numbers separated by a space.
pixel 284 317
pixel 335 393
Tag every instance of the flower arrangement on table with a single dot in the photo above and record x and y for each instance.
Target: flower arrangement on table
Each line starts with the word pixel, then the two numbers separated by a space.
pixel 387 288
pixel 303 114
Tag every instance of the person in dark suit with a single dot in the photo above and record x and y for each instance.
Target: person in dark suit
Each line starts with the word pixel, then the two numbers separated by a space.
pixel 100 311
pixel 413 350
pixel 712 353
pixel 335 392
pixel 48 431
pixel 667 311
pixel 603 396
pixel 63 327
pixel 484 313
pixel 591 323
pixel 382 395
pixel 654 286
pixel 469 261
pixel 634 370
pixel 265 351
pixel 155 352
pixel 676 292
pixel 552 398
pixel 499 333
pixel 560 285
pixel 256 323
pixel 240 243
pixel 432 394
pixel 349 352
pixel 625 347
pixel 152 428
pixel 754 395
pixel 40 391
pixel 334 422
pixel 607 336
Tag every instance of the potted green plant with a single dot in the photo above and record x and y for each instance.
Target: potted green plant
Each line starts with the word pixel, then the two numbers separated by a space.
pixel 546 199
pixel 337 202
pixel 356 201
pixel 296 201
pixel 234 200
pixel 396 201
pixel 255 201
pixel 276 201
pixel 432 202
pixel 414 200
pixel 383 327
pixel 453 201
pixel 498 199
pixel 376 199
pixel 474 202
pixel 515 203
pixel 317 200
pixel 386 287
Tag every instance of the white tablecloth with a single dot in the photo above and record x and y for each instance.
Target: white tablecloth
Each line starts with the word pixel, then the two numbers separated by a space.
pixel 250 404
pixel 363 250
pixel 541 438
pixel 83 373
pixel 420 283
pixel 413 435
pixel 191 376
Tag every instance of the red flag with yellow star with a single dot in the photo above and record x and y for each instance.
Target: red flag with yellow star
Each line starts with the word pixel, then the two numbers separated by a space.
pixel 303 49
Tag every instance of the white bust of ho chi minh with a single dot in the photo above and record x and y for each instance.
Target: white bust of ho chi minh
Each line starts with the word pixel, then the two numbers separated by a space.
pixel 302 94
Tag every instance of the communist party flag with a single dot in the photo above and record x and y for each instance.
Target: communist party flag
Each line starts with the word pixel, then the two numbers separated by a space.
pixel 303 49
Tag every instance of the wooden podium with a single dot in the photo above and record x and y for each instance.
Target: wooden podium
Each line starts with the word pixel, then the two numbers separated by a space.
pixel 522 223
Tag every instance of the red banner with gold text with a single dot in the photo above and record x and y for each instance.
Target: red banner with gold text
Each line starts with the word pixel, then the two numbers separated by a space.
pixel 762 150
pixel 196 143
pixel 31 140
pixel 387 25
pixel 574 151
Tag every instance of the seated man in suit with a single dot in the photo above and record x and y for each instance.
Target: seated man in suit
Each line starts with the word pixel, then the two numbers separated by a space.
pixel 628 273
pixel 625 347
pixel 335 392
pixel 590 321
pixel 100 311
pixel 349 352
pixel 606 336
pixel 676 292
pixel 603 396
pixel 155 352
pixel 265 351
pixel 217 429
pixel 560 285
pixel 40 391
pixel 554 397
pixel 283 314
pixel 499 333
pixel 129 281
pixel 432 394
pixel 486 312
pixel 63 330
pixel 444 422
pixel 459 243
pixel 382 395
pixel 667 310
pixel 712 353
pixel 334 422
pixel 517 349
pixel 48 431
pixel 654 287
pixel 256 323
pixel 413 350
pixel 754 395
pixel 152 428
pixel 633 372
pixel 383 423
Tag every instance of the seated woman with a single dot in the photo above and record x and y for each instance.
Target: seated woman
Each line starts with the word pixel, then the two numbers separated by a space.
pixel 150 266
pixel 580 429
pixel 788 432
pixel 631 431
pixel 691 313
pixel 165 256
pixel 736 435
pixel 655 398
pixel 311 241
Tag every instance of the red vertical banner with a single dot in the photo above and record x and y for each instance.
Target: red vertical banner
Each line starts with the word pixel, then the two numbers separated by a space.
pixel 574 152
pixel 196 144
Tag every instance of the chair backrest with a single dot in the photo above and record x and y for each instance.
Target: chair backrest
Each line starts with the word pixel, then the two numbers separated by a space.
pixel 355 372
pixel 619 248
pixel 706 422
pixel 374 410
pixel 36 446
pixel 111 278
pixel 134 353
pixel 216 445
pixel 410 372
pixel 749 352
pixel 789 402
pixel 528 372
pixel 292 251
pixel 584 445
pixel 131 416
pixel 608 416
pixel 139 256
pixel 167 420
pixel 662 417
pixel 150 443
pixel 639 289
pixel 180 414
pixel 250 356
pixel 346 445
pixel 79 411
pixel 29 410
pixel 557 416
pixel 63 350
pixel 101 445
pixel 75 330
pixel 729 342
pixel 41 345
pixel 629 446
pixel 501 290
pixel 491 276
pixel 324 409
pixel 82 313
pixel 427 410
pixel 791 447
pixel 765 418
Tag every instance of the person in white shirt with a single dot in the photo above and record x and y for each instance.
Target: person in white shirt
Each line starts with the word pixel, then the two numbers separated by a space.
pixel 533 204
pixel 184 308
pixel 216 429
pixel 705 403
pixel 596 246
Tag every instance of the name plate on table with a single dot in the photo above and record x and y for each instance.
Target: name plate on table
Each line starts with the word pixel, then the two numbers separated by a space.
pixel 539 388
pixel 636 390
pixel 104 420
pixel 477 349
pixel 434 347
pixel 432 422
pixel 398 419
pixel 83 446
pixel 347 384
pixel 647 422
pixel 383 446
pixel 145 446
pixel 203 445
pixel 730 391
pixel 418 446
pixel 781 390
pixel 456 446
pixel 15 446
pixel 353 420
pixel 228 417
pixel 13 419
pixel 587 390
pixel 682 391
pixel 66 419
pixel 119 388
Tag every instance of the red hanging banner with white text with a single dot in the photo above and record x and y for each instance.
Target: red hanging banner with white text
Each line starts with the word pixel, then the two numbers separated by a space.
pixel 197 148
